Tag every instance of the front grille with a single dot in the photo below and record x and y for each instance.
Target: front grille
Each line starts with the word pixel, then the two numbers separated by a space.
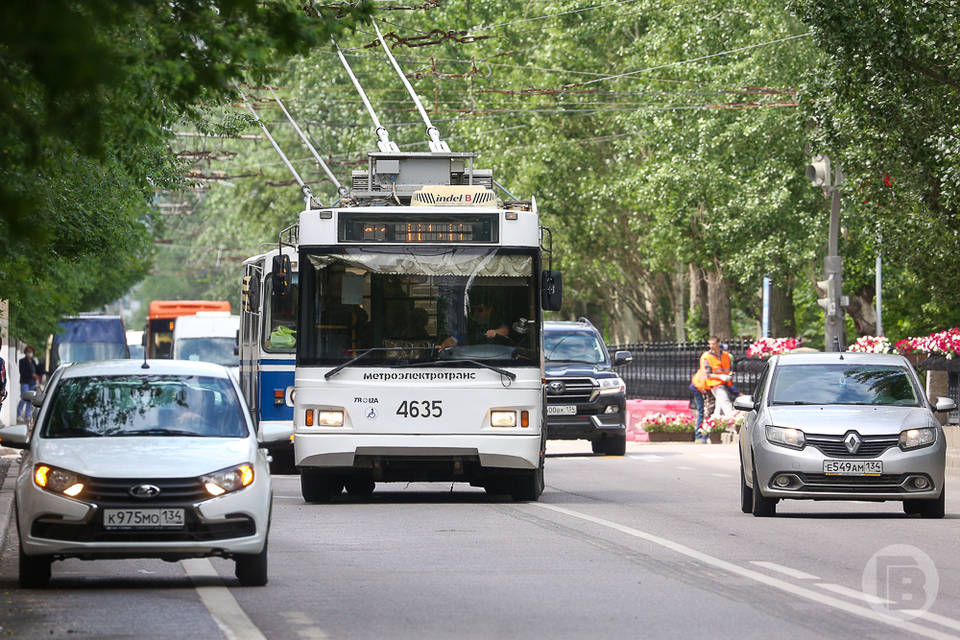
pixel 194 530
pixel 886 483
pixel 576 390
pixel 833 446
pixel 108 491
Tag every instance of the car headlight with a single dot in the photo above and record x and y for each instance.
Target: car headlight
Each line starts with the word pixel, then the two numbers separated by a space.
pixel 916 438
pixel 226 480
pixel 786 437
pixel 609 386
pixel 58 480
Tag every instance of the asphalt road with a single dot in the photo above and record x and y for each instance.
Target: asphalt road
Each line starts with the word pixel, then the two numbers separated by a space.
pixel 649 545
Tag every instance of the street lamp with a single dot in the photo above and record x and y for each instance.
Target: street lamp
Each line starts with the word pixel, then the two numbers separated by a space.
pixel 820 175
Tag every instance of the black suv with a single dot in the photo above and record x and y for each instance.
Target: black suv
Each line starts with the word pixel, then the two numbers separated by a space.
pixel 586 399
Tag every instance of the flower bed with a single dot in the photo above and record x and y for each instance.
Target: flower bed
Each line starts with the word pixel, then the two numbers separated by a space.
pixel 668 423
pixel 871 344
pixel 766 347
pixel 943 343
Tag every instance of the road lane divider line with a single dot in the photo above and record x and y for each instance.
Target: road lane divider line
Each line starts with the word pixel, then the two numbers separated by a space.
pixel 721 475
pixel 762 578
pixel 852 593
pixel 787 571
pixel 934 618
pixel 682 468
pixel 223 607
pixel 649 457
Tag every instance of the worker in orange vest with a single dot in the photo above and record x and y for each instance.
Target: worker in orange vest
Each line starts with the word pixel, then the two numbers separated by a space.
pixel 714 381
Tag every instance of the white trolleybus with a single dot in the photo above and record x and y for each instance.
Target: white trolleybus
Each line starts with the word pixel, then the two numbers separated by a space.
pixel 419 348
pixel 268 344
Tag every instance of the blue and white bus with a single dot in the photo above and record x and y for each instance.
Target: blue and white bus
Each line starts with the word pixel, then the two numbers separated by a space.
pixel 268 342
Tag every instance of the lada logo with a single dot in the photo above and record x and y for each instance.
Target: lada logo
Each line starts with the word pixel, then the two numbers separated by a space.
pixel 145 491
pixel 852 442
pixel 556 388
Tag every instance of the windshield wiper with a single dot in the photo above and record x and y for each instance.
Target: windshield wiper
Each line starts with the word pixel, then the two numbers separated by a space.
pixel 479 363
pixel 160 432
pixel 340 367
pixel 794 402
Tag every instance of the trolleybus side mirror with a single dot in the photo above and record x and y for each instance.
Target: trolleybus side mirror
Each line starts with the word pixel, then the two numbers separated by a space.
pixel 551 290
pixel 281 275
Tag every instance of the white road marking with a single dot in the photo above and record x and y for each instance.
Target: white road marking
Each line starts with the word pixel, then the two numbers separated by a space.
pixel 721 475
pixel 869 598
pixel 934 618
pixel 717 456
pixel 787 571
pixel 777 583
pixel 288 497
pixel 646 457
pixel 221 604
pixel 686 468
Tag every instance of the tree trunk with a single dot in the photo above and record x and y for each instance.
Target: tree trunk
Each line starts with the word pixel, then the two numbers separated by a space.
pixel 679 317
pixel 718 304
pixel 698 303
pixel 862 311
pixel 782 312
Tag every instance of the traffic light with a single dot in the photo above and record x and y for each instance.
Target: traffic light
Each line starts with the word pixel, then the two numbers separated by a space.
pixel 818 171
pixel 828 288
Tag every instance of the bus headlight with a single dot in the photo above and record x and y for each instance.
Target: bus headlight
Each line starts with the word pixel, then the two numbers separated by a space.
pixel 329 418
pixel 503 418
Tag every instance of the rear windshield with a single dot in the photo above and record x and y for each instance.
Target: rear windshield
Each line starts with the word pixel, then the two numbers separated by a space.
pixel 573 346
pixel 86 351
pixel 843 384
pixel 217 350
pixel 149 405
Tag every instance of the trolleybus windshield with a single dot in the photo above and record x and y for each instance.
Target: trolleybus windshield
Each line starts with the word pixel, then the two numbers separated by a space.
pixel 417 303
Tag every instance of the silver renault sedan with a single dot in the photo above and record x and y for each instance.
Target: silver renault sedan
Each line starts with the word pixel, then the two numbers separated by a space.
pixel 841 426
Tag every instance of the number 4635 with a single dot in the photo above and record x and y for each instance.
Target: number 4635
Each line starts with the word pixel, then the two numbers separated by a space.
pixel 420 409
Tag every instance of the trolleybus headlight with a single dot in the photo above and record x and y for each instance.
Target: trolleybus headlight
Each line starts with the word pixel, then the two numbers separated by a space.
pixel 226 480
pixel 57 480
pixel 329 418
pixel 916 438
pixel 503 418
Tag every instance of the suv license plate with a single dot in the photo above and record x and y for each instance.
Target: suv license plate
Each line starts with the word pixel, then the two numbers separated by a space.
pixel 562 410
pixel 143 518
pixel 852 467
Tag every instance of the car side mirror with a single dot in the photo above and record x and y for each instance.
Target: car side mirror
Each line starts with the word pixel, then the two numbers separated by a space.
pixel 745 403
pixel 281 275
pixel 622 357
pixel 273 434
pixel 16 436
pixel 551 290
pixel 945 404
pixel 33 397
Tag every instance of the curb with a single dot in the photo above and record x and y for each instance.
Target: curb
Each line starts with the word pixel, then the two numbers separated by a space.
pixel 6 497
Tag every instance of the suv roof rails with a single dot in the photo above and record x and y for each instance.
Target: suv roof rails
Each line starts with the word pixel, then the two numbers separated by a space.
pixel 584 320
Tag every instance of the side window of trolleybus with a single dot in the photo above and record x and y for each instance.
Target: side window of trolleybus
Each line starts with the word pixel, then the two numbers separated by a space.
pixel 280 318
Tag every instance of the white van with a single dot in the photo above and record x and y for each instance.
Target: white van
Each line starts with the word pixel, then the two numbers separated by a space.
pixel 208 336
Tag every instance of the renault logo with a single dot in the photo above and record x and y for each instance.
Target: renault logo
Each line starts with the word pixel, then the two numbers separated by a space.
pixel 852 441
pixel 556 388
pixel 145 491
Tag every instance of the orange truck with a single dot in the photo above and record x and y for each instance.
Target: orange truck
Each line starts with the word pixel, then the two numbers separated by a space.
pixel 162 317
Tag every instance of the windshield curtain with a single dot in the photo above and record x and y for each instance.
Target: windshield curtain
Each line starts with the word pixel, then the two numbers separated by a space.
pixel 407 302
pixel 843 384
pixel 216 350
pixel 280 317
pixel 573 346
pixel 103 406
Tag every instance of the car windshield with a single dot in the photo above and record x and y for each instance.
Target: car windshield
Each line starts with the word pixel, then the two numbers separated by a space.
pixel 217 350
pixel 418 304
pixel 843 384
pixel 85 351
pixel 144 405
pixel 573 346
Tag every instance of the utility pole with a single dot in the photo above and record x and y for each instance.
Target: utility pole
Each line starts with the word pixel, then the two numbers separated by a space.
pixel 879 285
pixel 833 302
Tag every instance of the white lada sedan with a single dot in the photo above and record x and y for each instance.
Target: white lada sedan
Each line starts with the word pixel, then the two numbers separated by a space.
pixel 128 461
pixel 851 426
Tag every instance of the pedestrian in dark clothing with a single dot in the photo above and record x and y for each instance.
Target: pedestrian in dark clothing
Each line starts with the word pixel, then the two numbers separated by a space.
pixel 3 377
pixel 30 373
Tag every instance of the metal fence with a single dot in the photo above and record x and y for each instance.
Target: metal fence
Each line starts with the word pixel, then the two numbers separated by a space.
pixel 662 370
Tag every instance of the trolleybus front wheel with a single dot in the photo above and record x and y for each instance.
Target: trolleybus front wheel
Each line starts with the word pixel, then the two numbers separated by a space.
pixel 319 487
